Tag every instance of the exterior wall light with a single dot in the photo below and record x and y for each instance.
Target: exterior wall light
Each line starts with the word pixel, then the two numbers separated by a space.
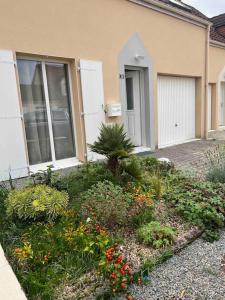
pixel 139 57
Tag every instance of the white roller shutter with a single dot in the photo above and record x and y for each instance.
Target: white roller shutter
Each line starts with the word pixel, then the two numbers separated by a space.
pixel 176 109
pixel 12 146
pixel 93 99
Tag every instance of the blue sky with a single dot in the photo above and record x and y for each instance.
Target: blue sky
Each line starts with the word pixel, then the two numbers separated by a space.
pixel 208 7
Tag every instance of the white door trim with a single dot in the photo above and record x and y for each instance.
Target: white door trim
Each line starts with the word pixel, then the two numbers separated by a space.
pixel 134 55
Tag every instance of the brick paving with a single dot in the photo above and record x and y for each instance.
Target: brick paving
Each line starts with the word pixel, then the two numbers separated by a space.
pixel 189 156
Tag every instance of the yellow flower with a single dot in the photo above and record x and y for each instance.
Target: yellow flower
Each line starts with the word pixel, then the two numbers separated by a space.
pixel 35 203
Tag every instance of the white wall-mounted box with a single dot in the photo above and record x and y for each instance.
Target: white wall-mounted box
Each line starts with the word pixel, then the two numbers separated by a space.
pixel 114 110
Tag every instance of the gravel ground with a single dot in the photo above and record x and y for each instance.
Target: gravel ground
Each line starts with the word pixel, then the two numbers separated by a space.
pixel 198 272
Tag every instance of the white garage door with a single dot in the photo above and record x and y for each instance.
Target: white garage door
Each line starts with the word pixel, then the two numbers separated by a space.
pixel 176 109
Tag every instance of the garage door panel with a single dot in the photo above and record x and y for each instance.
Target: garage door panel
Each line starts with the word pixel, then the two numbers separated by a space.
pixel 176 109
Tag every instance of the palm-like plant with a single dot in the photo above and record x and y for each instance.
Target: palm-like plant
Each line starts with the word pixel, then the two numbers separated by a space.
pixel 114 144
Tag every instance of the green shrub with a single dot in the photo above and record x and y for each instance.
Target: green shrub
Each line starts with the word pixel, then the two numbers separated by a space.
pixel 211 235
pixel 154 166
pixel 215 163
pixel 114 144
pixel 144 215
pixel 216 173
pixel 156 186
pixel 131 169
pixel 150 164
pixel 107 203
pixel 141 210
pixel 156 235
pixel 3 194
pixel 36 202
pixel 84 177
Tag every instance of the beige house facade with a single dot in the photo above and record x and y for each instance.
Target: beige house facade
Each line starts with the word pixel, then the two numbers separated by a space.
pixel 66 67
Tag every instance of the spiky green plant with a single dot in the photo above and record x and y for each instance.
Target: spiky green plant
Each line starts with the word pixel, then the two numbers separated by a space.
pixel 114 144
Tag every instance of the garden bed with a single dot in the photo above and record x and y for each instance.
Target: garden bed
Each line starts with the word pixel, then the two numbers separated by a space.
pixel 94 232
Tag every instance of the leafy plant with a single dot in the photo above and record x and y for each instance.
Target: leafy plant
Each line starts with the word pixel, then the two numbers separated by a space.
pixel 46 254
pixel 88 238
pixel 215 163
pixel 36 202
pixel 211 235
pixel 141 210
pixel 131 169
pixel 83 178
pixel 115 268
pixel 200 203
pixel 153 166
pixel 156 235
pixel 113 144
pixel 47 177
pixel 216 174
pixel 3 194
pixel 156 186
pixel 107 202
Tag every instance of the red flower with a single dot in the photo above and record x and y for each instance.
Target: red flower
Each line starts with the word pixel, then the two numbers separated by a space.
pixel 122 271
pixel 119 259
pixel 123 285
pixel 130 271
pixel 113 275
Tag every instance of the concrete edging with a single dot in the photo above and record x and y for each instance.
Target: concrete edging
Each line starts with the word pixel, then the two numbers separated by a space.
pixel 10 288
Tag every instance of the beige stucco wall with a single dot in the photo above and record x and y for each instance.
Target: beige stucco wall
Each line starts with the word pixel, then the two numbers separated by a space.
pixel 216 63
pixel 98 30
pixel 216 68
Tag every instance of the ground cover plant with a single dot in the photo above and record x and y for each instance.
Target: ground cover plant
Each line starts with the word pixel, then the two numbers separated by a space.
pixel 155 234
pixel 215 164
pixel 96 231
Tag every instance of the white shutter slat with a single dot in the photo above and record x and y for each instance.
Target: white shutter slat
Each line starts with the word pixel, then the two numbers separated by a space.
pixel 93 99
pixel 12 147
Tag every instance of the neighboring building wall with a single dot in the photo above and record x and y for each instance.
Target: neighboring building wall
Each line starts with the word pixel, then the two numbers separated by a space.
pixel 216 68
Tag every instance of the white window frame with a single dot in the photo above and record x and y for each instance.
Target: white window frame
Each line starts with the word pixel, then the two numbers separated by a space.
pixel 62 163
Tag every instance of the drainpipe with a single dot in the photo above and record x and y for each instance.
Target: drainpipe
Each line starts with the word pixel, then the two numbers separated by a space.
pixel 206 81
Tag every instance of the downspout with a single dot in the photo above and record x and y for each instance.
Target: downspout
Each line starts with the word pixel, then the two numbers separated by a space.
pixel 206 81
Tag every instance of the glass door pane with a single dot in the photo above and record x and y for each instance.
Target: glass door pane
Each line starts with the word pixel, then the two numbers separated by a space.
pixel 130 93
pixel 34 110
pixel 58 90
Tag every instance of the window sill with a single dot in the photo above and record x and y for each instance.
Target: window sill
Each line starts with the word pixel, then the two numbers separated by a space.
pixel 58 165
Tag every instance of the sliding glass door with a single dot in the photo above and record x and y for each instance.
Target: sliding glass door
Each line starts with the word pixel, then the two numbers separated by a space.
pixel 47 112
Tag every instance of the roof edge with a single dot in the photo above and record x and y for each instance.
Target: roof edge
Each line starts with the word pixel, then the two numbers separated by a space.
pixel 217 44
pixel 172 10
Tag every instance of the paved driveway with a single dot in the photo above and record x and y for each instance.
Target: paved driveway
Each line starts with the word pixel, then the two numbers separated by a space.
pixel 189 156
